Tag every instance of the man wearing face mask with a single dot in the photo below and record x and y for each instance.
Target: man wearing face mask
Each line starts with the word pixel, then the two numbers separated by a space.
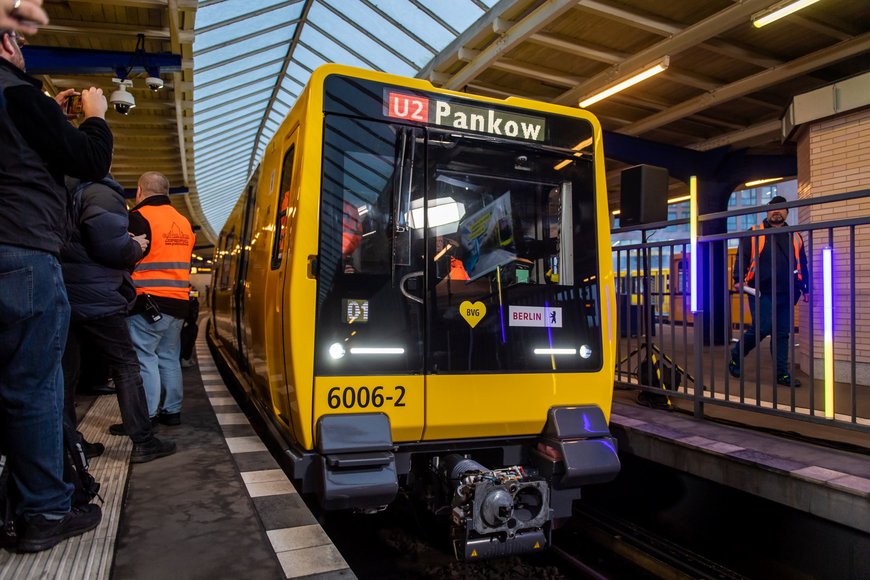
pixel 778 256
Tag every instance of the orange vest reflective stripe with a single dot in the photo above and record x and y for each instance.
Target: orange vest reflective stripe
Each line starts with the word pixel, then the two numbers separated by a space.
pixel 797 241
pixel 165 270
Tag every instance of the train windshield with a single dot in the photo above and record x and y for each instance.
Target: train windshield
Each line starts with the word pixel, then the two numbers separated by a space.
pixel 451 253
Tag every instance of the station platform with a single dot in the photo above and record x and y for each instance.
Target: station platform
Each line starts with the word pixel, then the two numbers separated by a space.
pixel 219 508
pixel 760 455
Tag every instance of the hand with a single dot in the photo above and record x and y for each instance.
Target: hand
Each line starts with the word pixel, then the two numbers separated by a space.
pixel 25 18
pixel 62 97
pixel 141 240
pixel 94 103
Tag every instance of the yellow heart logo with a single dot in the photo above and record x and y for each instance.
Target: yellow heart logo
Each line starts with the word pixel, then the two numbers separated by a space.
pixel 472 313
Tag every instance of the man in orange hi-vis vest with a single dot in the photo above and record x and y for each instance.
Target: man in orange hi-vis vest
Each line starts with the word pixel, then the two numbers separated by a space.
pixel 162 279
pixel 774 266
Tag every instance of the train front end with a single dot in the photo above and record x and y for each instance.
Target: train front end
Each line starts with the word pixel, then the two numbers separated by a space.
pixel 464 322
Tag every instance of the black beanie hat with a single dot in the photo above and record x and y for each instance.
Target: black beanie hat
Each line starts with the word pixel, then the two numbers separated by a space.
pixel 777 199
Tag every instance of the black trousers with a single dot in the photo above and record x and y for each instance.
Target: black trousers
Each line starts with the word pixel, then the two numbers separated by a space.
pixel 111 337
pixel 188 339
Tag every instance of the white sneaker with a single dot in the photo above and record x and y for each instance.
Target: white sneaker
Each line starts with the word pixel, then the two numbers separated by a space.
pixel 187 363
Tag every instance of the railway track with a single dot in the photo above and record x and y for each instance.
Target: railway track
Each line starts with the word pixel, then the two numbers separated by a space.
pixel 626 549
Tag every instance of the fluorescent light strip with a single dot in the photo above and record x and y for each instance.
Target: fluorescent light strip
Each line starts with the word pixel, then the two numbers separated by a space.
pixel 644 74
pixel 828 286
pixel 762 181
pixel 359 350
pixel 778 11
pixel 552 351
pixel 693 241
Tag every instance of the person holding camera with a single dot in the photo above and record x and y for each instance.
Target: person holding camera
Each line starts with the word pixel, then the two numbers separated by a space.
pixel 162 280
pixel 96 263
pixel 38 146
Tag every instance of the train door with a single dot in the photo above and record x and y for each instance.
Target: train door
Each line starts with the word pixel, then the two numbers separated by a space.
pixel 369 340
pixel 279 372
pixel 242 275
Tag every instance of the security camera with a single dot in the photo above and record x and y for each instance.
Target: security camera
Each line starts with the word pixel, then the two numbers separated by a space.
pixel 121 100
pixel 154 83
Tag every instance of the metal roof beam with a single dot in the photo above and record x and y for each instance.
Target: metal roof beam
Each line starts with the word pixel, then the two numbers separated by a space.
pixel 519 32
pixel 182 4
pixel 584 50
pixel 758 81
pixel 682 40
pixel 78 27
pixel 535 72
pixel 633 19
pixel 771 127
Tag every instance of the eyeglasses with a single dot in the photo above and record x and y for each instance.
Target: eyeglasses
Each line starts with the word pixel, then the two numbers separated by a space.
pixel 17 38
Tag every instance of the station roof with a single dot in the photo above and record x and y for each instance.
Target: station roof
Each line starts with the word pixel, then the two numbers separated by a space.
pixel 242 63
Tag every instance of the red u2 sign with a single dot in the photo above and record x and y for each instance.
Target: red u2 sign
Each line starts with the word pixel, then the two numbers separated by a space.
pixel 407 107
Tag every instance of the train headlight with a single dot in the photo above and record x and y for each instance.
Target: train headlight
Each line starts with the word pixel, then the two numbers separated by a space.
pixel 585 351
pixel 336 350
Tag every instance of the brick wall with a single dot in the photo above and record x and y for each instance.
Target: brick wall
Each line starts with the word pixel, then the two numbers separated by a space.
pixel 834 157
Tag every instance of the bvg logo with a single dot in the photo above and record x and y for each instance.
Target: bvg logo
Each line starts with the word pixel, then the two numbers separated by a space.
pixel 408 107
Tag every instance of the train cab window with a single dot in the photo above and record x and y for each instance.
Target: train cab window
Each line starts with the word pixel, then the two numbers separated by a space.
pixel 282 217
pixel 512 259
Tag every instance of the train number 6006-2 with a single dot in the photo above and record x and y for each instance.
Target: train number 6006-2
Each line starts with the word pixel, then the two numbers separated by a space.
pixel 364 397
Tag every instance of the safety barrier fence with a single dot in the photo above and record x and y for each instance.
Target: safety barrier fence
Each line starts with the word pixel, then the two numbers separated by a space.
pixel 668 352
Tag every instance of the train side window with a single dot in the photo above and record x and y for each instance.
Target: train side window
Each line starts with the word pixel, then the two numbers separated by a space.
pixel 226 263
pixel 281 217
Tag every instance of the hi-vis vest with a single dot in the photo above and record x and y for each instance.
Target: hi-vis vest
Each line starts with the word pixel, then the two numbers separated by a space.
pixel 797 242
pixel 165 271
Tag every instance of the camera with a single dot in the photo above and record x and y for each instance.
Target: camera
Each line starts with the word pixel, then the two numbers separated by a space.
pixel 121 100
pixel 74 105
pixel 154 83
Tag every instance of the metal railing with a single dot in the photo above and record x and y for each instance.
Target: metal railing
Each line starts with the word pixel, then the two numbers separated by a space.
pixel 670 353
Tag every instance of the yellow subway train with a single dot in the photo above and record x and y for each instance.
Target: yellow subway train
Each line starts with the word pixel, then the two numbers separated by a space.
pixel 415 290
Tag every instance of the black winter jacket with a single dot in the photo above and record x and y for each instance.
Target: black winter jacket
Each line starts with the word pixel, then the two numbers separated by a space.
pixel 37 147
pixel 782 245
pixel 100 254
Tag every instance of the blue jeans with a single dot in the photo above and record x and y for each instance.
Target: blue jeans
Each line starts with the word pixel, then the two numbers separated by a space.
pixel 158 346
pixel 34 318
pixel 762 322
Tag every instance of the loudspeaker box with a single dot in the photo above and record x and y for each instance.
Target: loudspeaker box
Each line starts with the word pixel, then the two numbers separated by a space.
pixel 644 195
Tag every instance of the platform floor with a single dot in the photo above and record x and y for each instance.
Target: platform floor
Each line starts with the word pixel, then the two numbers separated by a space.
pixel 222 508
pixel 827 481
pixel 219 508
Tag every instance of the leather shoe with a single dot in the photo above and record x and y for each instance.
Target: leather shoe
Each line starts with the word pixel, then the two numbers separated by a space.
pixel 92 449
pixel 118 428
pixel 169 418
pixel 150 450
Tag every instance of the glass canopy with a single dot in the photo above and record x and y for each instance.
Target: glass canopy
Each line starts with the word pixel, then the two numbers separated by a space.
pixel 253 57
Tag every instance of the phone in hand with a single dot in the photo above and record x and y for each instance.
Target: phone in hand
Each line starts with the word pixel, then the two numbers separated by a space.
pixel 74 105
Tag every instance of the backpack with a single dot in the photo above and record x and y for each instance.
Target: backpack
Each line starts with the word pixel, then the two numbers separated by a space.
pixel 75 471
pixel 665 376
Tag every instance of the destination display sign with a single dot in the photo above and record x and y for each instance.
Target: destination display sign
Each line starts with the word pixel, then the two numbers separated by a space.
pixel 444 113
